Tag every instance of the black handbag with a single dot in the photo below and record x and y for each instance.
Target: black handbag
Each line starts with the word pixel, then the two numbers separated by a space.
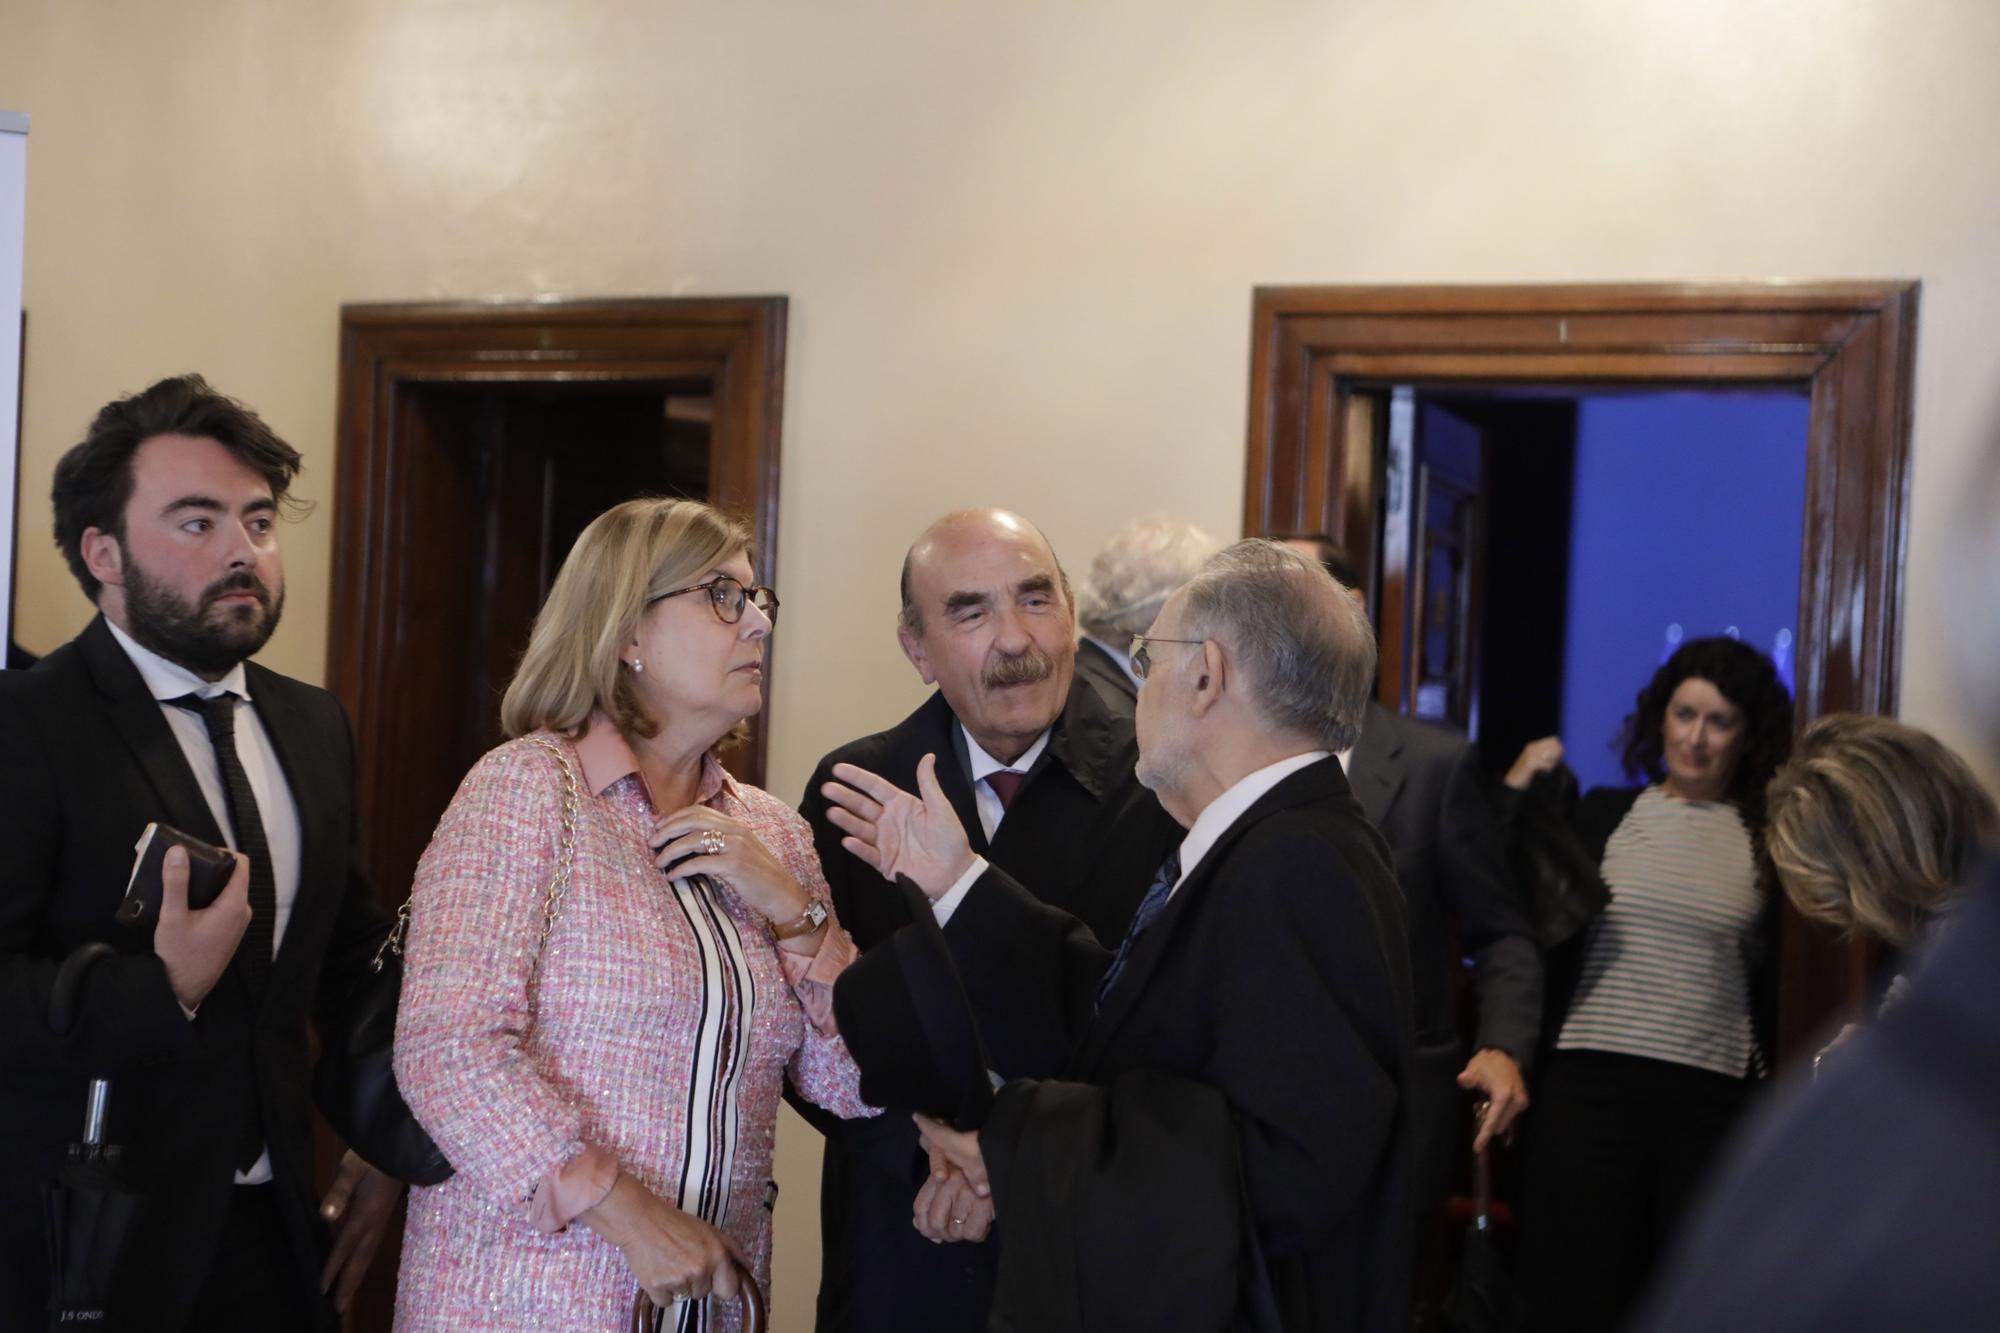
pixel 355 1081
pixel 1557 873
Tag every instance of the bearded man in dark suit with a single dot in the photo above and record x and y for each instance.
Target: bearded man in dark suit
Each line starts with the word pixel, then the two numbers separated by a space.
pixel 168 514
pixel 1038 767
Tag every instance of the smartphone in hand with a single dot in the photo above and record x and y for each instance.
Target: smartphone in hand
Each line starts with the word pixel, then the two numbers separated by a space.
pixel 209 869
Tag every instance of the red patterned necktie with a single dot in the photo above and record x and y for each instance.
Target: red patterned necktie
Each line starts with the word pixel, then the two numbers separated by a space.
pixel 1005 782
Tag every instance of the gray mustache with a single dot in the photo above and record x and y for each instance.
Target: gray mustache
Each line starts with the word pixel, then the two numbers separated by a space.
pixel 1020 669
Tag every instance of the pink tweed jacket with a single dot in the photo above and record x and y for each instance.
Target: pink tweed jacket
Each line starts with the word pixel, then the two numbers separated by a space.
pixel 518 1057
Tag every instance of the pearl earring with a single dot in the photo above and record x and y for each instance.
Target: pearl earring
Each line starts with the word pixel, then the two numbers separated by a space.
pixel 638 667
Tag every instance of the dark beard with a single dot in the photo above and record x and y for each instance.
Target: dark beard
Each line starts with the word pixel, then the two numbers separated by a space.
pixel 158 618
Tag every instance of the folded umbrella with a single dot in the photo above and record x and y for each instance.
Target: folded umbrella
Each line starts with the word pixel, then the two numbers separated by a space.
pixel 89 1210
pixel 1483 1298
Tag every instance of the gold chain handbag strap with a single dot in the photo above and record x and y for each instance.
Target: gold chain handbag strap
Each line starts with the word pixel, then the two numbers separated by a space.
pixel 558 880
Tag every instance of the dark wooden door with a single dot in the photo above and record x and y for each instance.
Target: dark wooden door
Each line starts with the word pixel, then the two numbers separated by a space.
pixel 1320 356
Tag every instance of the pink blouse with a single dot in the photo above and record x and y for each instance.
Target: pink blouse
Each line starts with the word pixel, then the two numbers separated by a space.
pixel 531 1066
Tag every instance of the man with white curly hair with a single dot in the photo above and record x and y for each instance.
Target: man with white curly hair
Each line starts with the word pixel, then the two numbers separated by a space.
pixel 1130 579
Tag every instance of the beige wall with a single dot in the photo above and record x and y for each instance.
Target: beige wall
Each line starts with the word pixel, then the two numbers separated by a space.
pixel 1019 240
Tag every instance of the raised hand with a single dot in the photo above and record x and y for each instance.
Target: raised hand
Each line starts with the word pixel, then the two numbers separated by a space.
pixel 1536 758
pixel 897 833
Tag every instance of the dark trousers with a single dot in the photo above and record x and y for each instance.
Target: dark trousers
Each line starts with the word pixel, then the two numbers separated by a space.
pixel 1619 1145
pixel 254 1286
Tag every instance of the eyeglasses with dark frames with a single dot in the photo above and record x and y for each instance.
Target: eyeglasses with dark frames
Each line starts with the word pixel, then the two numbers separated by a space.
pixel 727 598
pixel 1142 661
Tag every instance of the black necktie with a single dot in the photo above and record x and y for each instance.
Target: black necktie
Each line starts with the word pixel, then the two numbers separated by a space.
pixel 254 953
pixel 1150 908
pixel 219 713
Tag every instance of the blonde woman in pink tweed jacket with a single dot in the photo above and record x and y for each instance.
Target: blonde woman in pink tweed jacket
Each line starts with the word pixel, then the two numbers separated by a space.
pixel 602 1064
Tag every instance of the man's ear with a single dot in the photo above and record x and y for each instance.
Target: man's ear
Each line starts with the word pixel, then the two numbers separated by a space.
pixel 104 557
pixel 1211 677
pixel 912 644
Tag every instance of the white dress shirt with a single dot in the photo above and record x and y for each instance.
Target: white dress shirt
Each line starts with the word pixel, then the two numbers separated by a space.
pixel 275 804
pixel 1219 814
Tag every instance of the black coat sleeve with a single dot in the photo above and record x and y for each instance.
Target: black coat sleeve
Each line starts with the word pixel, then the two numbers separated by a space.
pixel 1493 925
pixel 1031 971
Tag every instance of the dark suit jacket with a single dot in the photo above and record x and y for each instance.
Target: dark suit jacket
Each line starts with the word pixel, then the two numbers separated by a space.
pixel 1089 838
pixel 1107 674
pixel 1422 787
pixel 86 760
pixel 1278 975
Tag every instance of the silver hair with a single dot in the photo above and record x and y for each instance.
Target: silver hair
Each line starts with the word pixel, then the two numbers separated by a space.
pixel 1138 569
pixel 1305 644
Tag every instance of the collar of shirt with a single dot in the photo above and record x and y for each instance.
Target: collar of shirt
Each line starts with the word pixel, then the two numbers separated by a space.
pixel 983 763
pixel 170 680
pixel 608 757
pixel 1117 654
pixel 1216 818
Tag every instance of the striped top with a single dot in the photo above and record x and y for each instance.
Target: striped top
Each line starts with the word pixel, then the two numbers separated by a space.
pixel 1665 971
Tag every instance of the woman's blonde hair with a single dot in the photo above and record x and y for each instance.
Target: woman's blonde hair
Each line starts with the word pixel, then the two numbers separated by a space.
pixel 1873 825
pixel 630 553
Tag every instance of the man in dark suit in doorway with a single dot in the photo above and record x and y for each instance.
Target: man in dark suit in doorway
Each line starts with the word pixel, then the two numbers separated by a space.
pixel 1422 786
pixel 1039 767
pixel 168 514
pixel 1226 1143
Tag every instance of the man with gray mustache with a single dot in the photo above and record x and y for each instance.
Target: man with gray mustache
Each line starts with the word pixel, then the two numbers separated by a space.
pixel 1040 770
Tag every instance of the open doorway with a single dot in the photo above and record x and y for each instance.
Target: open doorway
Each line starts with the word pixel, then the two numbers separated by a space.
pixel 1552 546
pixel 1324 361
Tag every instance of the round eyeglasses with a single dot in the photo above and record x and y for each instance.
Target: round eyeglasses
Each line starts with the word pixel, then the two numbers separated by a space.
pixel 1142 661
pixel 727 598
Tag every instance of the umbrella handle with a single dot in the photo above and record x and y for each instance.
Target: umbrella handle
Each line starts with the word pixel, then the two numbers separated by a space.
pixel 66 994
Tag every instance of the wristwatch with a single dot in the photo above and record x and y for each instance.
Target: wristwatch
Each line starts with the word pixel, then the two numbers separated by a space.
pixel 805 923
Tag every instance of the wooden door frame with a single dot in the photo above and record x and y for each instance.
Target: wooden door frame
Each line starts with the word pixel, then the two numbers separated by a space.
pixel 1850 346
pixel 736 343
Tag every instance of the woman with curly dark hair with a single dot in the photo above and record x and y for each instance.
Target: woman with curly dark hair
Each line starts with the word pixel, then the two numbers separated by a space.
pixel 1654 1029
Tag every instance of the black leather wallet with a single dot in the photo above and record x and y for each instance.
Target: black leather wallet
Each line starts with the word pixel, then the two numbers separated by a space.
pixel 209 869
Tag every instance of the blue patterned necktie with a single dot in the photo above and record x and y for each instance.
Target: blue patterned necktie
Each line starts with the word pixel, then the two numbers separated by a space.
pixel 1150 908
